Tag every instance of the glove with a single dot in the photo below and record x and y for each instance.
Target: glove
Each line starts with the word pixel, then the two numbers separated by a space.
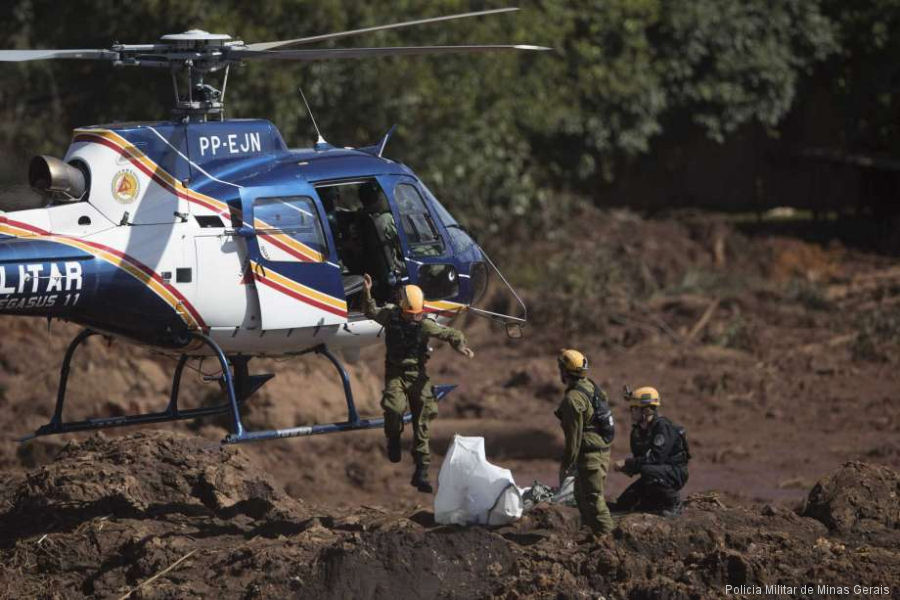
pixel 467 352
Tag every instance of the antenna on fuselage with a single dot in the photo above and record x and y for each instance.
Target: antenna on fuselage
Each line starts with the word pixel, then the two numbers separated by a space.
pixel 321 141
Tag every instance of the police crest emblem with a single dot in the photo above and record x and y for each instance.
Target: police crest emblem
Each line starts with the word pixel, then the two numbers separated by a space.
pixel 125 186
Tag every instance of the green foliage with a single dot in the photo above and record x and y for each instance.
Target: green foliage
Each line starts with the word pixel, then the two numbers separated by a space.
pixel 490 134
pixel 626 70
pixel 737 61
pixel 861 81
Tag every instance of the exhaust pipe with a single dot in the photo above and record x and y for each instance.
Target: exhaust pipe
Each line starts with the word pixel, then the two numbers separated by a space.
pixel 52 176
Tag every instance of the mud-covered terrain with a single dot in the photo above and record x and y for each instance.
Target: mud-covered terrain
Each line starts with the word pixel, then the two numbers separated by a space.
pixel 163 515
pixel 779 356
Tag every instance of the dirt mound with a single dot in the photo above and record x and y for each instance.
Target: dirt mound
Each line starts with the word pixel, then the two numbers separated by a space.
pixel 859 497
pixel 711 546
pixel 166 516
pixel 144 474
pixel 793 258
pixel 108 513
pixel 453 562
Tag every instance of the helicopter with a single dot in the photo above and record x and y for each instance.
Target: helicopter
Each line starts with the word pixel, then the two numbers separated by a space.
pixel 202 236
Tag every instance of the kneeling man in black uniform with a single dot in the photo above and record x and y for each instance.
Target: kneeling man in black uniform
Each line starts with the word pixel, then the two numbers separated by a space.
pixel 660 458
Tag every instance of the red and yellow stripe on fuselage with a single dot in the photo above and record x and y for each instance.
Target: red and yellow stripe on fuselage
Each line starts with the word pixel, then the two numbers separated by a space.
pixel 444 308
pixel 148 167
pixel 298 291
pixel 130 265
pixel 127 150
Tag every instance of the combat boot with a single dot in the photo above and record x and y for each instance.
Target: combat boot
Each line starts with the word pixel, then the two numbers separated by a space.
pixel 420 479
pixel 393 448
pixel 674 507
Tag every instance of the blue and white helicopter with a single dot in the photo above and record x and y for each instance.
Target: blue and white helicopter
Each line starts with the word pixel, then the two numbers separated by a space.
pixel 205 236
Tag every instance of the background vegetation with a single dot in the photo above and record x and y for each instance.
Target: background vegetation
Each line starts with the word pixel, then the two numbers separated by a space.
pixel 630 85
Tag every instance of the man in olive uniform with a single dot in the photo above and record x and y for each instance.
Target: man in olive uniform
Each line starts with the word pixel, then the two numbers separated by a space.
pixel 589 428
pixel 660 456
pixel 406 384
pixel 381 241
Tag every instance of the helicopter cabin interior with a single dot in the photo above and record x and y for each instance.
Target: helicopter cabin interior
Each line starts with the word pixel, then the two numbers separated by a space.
pixel 366 238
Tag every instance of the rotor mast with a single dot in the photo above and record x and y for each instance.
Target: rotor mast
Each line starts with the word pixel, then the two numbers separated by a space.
pixel 191 55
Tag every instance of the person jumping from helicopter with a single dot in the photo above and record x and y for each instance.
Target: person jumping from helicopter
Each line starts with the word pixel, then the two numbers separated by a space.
pixel 406 383
pixel 381 242
pixel 660 457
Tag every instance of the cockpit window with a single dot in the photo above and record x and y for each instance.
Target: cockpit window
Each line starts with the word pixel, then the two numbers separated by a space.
pixel 423 237
pixel 442 213
pixel 288 229
pixel 460 240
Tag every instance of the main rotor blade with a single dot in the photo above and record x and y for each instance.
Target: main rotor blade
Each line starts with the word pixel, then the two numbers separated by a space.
pixel 340 34
pixel 333 53
pixel 23 55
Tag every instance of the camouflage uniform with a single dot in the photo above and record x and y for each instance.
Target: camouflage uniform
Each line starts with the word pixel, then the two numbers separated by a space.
pixel 406 384
pixel 389 239
pixel 588 451
pixel 383 257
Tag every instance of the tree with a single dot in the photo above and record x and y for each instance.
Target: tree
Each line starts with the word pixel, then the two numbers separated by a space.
pixel 492 135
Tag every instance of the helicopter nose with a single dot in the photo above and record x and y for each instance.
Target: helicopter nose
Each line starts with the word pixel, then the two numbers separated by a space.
pixel 478 279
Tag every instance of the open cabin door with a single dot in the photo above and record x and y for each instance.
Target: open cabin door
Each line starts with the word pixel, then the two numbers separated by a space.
pixel 297 279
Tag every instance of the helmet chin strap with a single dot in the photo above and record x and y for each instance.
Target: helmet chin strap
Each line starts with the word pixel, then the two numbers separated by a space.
pixel 566 377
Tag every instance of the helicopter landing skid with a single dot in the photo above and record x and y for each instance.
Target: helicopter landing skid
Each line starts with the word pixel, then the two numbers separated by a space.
pixel 352 423
pixel 238 389
pixel 243 382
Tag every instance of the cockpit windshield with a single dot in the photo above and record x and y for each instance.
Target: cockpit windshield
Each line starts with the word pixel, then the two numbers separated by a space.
pixel 442 213
pixel 461 241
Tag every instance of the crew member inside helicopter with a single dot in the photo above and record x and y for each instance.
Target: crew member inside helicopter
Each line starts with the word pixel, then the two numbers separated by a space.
pixel 366 238
pixel 330 196
pixel 384 258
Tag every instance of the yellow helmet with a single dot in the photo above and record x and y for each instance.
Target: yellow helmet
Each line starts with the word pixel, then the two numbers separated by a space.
pixel 412 300
pixel 573 362
pixel 645 396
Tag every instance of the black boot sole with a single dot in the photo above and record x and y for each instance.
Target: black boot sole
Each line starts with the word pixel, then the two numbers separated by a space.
pixel 422 484
pixel 393 451
pixel 425 488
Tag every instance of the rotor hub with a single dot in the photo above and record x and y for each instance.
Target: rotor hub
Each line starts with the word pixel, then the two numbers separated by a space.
pixel 196 37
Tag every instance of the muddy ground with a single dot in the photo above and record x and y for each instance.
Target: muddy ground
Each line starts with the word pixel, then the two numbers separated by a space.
pixel 779 356
pixel 166 515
